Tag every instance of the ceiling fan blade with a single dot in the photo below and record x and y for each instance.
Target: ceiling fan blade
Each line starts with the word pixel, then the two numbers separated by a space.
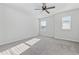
pixel 50 7
pixel 38 9
pixel 47 11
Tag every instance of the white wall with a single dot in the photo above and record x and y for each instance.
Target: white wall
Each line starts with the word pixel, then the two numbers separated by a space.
pixel 55 26
pixel 73 34
pixel 16 25
pixel 2 24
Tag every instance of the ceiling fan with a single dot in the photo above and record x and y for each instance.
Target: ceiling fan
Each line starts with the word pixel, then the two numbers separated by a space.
pixel 45 8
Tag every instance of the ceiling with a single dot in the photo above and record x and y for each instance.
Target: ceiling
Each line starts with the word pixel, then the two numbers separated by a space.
pixel 30 8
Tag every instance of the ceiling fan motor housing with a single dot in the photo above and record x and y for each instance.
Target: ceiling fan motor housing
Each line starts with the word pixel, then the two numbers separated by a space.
pixel 43 8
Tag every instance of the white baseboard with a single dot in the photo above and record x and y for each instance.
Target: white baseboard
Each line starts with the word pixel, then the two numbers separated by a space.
pixel 11 41
pixel 67 39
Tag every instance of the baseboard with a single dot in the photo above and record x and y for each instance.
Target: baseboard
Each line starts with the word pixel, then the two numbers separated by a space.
pixel 47 36
pixel 66 39
pixel 7 42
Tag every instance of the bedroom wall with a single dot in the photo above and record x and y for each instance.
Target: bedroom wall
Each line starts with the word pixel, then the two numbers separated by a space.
pixel 54 26
pixel 73 34
pixel 2 24
pixel 16 25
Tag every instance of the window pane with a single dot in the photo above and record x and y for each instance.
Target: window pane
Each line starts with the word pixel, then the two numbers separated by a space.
pixel 43 23
pixel 66 22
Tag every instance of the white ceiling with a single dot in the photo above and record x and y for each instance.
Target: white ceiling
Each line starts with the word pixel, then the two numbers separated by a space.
pixel 29 8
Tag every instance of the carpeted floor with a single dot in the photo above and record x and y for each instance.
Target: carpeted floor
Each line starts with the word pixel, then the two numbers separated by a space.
pixel 51 46
pixel 41 46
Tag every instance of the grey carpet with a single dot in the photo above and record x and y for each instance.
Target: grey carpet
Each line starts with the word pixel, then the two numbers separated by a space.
pixel 47 46
pixel 51 46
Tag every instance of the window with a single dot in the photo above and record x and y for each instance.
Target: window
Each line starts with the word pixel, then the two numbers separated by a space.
pixel 66 22
pixel 43 24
